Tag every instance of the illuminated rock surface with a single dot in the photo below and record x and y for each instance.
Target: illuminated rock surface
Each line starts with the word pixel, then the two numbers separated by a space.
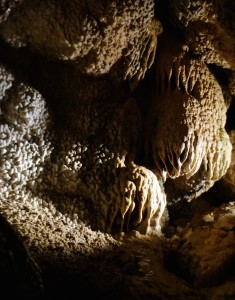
pixel 117 145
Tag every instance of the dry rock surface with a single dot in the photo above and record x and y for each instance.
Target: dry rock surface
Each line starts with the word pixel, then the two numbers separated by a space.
pixel 117 148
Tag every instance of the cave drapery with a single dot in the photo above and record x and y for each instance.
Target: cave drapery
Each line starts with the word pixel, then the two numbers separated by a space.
pixel 117 138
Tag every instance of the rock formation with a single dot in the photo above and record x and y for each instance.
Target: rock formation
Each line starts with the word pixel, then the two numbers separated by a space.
pixel 117 145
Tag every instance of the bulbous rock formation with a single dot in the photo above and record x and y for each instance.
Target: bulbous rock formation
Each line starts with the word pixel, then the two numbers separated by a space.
pixel 102 163
pixel 121 42
pixel 95 164
pixel 24 139
pixel 26 149
pixel 186 121
pixel 98 165
pixel 208 27
pixel 229 178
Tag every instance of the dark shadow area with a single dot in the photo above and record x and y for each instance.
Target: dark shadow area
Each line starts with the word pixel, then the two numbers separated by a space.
pixel 20 276
pixel 230 125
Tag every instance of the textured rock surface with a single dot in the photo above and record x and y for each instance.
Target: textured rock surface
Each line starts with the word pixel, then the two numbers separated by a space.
pixel 229 178
pixel 95 164
pixel 123 40
pixel 186 120
pixel 204 253
pixel 209 29
pixel 116 188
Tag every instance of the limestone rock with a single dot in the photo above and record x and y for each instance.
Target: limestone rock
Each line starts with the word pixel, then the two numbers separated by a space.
pixel 228 180
pixel 185 125
pixel 107 171
pixel 209 29
pixel 117 37
pixel 204 253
